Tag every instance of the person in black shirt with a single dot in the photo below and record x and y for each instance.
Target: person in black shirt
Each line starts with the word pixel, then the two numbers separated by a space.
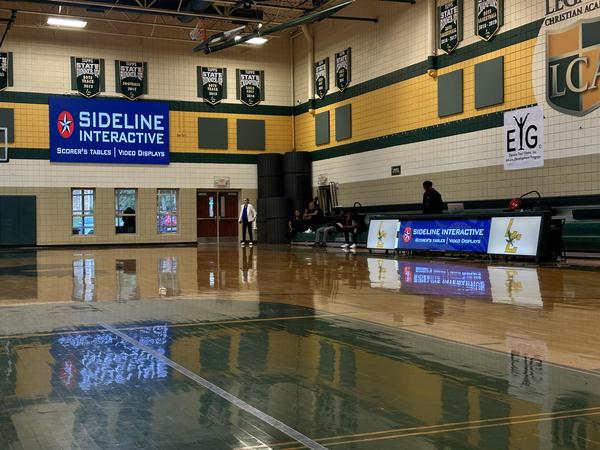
pixel 313 217
pixel 295 225
pixel 432 199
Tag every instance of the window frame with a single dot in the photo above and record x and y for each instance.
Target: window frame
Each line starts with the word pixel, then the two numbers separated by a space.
pixel 120 215
pixel 168 212
pixel 82 212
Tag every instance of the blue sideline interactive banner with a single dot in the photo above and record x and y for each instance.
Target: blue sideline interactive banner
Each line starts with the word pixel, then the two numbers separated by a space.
pixel 108 131
pixel 445 235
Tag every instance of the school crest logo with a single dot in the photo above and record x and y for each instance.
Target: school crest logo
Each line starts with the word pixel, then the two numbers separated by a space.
pixel 65 125
pixel 407 235
pixel 573 67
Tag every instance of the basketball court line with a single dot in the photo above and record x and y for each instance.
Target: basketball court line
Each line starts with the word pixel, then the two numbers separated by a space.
pixel 449 430
pixel 271 421
pixel 423 428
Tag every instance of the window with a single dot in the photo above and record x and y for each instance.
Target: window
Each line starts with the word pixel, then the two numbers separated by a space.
pixel 167 210
pixel 125 206
pixel 83 210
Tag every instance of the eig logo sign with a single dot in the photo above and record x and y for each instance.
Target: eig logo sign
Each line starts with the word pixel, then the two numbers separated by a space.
pixel 570 38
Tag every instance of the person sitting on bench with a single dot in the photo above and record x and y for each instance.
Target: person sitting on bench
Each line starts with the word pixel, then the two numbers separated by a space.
pixel 313 216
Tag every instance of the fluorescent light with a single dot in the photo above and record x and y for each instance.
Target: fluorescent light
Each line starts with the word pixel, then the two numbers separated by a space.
pixel 68 23
pixel 256 41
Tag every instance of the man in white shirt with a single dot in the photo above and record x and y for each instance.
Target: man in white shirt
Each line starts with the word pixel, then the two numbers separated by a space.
pixel 247 218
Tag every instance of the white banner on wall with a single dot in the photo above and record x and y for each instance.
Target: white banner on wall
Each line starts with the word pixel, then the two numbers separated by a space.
pixel 515 236
pixel 524 138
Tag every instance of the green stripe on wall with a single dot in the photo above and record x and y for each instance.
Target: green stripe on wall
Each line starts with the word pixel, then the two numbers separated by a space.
pixel 202 158
pixel 174 105
pixel 506 39
pixel 479 123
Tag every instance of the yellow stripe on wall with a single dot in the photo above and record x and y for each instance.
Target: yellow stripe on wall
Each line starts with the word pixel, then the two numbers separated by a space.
pixel 31 129
pixel 412 104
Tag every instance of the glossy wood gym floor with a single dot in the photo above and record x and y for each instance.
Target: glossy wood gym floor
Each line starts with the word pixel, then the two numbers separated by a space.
pixel 288 348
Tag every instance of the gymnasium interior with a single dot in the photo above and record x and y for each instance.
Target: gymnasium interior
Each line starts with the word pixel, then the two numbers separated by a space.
pixel 299 224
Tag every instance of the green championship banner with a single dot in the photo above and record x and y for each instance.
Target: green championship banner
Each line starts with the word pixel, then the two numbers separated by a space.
pixel 250 86
pixel 449 25
pixel 4 71
pixel 343 69
pixel 322 77
pixel 87 76
pixel 489 17
pixel 212 82
pixel 131 79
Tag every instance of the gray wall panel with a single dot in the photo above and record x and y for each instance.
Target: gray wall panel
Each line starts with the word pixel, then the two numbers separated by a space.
pixel 250 134
pixel 489 83
pixel 212 133
pixel 450 93
pixel 343 122
pixel 7 120
pixel 322 128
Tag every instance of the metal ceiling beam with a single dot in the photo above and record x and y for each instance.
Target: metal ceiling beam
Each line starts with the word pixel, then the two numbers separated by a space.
pixel 158 11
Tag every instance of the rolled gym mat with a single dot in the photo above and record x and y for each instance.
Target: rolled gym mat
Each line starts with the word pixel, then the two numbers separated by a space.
pixel 276 231
pixel 297 162
pixel 270 186
pixel 269 165
pixel 297 185
pixel 274 208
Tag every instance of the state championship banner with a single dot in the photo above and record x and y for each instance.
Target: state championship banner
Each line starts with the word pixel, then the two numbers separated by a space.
pixel 250 85
pixel 213 84
pixel 449 25
pixel 444 235
pixel 4 70
pixel 524 138
pixel 489 17
pixel 87 76
pixel 108 131
pixel 131 79
pixel 343 69
pixel 322 77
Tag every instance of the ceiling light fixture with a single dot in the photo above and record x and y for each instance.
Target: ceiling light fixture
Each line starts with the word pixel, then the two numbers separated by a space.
pixel 67 23
pixel 256 41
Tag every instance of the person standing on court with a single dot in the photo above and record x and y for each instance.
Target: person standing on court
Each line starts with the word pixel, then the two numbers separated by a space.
pixel 247 218
pixel 432 199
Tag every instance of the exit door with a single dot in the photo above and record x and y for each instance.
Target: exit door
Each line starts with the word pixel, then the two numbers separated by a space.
pixel 217 211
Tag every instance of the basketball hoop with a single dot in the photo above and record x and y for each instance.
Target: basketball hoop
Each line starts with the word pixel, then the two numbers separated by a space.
pixel 199 32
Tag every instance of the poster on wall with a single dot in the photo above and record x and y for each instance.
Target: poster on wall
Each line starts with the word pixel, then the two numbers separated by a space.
pixel 524 138
pixel 213 84
pixel 489 17
pixel 131 79
pixel 250 86
pixel 108 131
pixel 87 76
pixel 449 25
pixel 4 70
pixel 343 69
pixel 322 77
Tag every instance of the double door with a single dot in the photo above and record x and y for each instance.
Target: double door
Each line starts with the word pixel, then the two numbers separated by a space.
pixel 217 213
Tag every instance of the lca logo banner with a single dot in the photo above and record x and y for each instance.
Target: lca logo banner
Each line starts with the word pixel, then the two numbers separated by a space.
pixel 573 67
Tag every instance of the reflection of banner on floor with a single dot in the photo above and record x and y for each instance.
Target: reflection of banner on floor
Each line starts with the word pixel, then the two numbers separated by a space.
pixel 448 280
pixel 516 286
pixel 383 273
pixel 528 374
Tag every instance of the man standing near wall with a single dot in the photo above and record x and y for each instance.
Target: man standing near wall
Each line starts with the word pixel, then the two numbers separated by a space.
pixel 247 217
pixel 432 199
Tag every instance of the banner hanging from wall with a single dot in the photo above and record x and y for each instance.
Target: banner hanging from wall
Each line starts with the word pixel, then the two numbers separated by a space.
pixel 87 76
pixel 322 77
pixel 250 86
pixel 449 25
pixel 524 138
pixel 489 17
pixel 4 70
pixel 213 84
pixel 108 131
pixel 343 69
pixel 132 79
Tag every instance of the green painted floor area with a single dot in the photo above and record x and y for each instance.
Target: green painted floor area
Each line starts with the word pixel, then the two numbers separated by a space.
pixel 345 383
